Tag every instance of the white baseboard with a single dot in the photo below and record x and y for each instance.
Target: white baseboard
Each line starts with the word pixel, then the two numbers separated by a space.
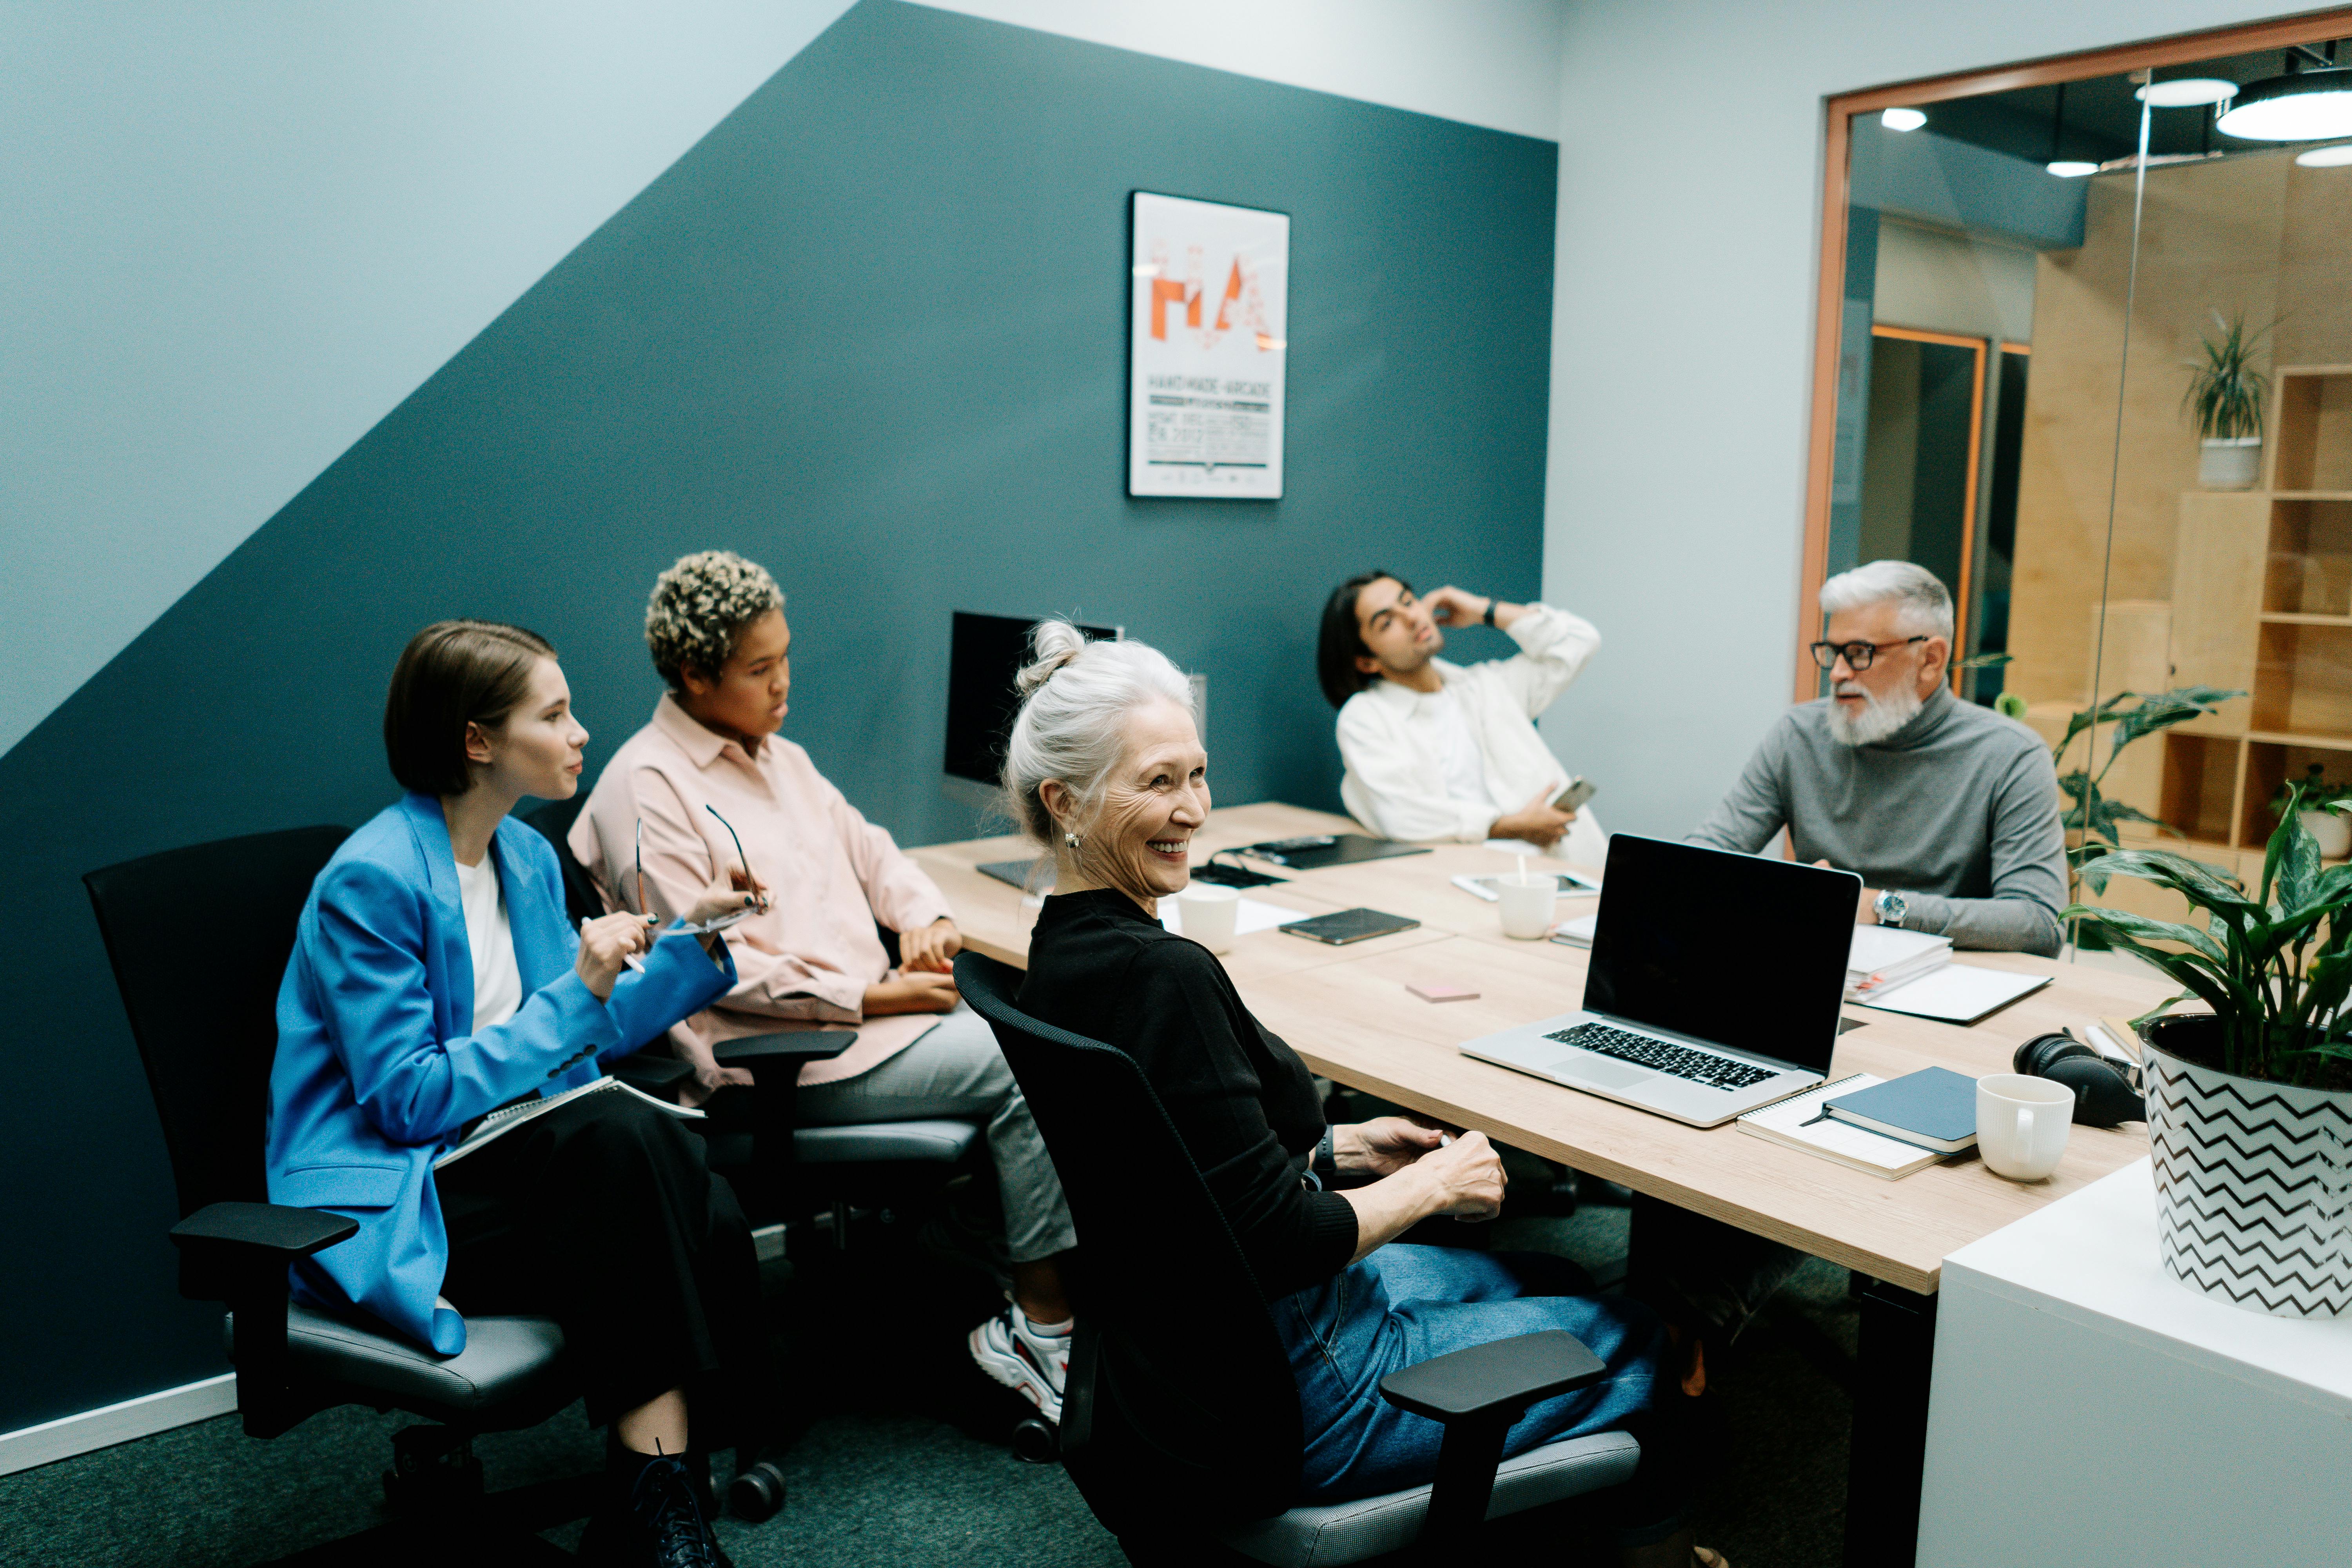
pixel 103 1428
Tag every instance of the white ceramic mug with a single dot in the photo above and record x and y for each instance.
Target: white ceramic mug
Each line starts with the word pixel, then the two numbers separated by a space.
pixel 1527 902
pixel 1207 911
pixel 2022 1124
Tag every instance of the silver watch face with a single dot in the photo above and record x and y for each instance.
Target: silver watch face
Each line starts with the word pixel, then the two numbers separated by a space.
pixel 1891 907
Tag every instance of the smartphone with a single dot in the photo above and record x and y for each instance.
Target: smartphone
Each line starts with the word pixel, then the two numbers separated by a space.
pixel 1579 790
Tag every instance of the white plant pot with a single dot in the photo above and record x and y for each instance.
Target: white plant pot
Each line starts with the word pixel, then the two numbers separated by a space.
pixel 2229 463
pixel 2253 1184
pixel 2332 829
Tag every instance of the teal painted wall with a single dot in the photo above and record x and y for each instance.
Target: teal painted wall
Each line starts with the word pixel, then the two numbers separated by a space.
pixel 870 331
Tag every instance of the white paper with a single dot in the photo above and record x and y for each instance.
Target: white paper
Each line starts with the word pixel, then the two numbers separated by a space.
pixel 1252 915
pixel 1208 344
pixel 1794 1118
pixel 1957 992
pixel 1883 947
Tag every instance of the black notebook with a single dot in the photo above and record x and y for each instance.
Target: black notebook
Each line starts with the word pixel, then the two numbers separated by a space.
pixel 1318 850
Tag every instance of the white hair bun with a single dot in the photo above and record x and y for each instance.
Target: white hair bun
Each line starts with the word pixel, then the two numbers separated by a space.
pixel 1055 644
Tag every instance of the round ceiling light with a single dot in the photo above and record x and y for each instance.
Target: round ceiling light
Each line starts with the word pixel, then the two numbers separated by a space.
pixel 2186 92
pixel 2309 106
pixel 2334 157
pixel 1902 119
pixel 2073 168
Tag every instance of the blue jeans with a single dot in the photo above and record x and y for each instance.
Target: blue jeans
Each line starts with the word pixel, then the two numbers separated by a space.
pixel 1405 1304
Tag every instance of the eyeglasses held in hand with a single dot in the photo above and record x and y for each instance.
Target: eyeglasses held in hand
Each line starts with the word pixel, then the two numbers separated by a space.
pixel 1858 655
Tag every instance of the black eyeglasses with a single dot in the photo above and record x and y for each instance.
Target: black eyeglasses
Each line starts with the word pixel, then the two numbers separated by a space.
pixel 1857 655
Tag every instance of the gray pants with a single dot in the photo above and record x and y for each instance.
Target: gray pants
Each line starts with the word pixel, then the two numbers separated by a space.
pixel 955 1071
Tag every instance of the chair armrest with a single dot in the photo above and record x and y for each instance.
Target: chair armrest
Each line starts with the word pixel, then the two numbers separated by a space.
pixel 226 1250
pixel 1494 1380
pixel 794 1045
pixel 652 1072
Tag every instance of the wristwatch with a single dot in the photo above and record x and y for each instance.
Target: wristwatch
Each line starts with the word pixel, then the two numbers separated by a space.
pixel 1890 907
pixel 1490 610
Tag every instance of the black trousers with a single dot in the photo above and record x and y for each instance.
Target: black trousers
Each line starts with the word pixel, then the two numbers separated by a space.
pixel 603 1216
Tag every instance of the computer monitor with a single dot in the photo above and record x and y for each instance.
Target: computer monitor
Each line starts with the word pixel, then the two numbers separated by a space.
pixel 984 655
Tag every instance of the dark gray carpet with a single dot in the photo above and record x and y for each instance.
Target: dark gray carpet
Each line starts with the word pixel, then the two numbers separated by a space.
pixel 883 1473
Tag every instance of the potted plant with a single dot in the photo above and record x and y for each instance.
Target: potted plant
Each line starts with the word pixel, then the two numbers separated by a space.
pixel 2091 819
pixel 2225 394
pixel 2250 1104
pixel 2323 817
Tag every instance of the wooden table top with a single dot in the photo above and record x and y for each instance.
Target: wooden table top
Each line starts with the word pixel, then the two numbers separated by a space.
pixel 1346 1010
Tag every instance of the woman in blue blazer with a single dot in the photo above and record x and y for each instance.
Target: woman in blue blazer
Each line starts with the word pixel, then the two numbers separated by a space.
pixel 436 977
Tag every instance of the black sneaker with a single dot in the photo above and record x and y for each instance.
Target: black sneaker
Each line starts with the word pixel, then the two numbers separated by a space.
pixel 661 1525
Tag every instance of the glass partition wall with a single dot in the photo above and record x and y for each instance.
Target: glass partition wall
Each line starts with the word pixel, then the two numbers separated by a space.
pixel 2086 355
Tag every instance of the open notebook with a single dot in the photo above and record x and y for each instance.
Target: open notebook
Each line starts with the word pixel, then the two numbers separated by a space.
pixel 497 1123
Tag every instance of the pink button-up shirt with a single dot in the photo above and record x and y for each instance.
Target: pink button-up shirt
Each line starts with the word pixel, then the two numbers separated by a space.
pixel 830 874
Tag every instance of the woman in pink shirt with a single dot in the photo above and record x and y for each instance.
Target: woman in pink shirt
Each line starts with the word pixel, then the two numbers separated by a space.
pixel 710 769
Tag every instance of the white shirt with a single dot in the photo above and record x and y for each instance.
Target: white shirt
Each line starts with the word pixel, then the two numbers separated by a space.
pixel 498 983
pixel 1403 767
pixel 1457 750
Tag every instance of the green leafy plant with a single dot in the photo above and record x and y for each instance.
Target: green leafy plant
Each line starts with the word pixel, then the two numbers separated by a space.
pixel 2225 392
pixel 2317 792
pixel 2091 819
pixel 2275 964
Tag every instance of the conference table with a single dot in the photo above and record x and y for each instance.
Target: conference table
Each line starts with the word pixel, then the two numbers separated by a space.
pixel 1347 1012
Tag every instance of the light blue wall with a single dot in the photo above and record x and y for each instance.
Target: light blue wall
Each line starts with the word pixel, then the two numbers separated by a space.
pixel 1682 349
pixel 233 237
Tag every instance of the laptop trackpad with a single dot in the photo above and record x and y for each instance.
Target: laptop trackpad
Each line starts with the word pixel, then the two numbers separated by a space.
pixel 1600 1071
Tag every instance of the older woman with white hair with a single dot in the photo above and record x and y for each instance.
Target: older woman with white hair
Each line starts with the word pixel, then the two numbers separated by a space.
pixel 1104 768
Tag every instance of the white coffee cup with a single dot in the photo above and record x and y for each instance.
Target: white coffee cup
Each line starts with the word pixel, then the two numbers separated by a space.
pixel 1207 911
pixel 1527 900
pixel 2022 1124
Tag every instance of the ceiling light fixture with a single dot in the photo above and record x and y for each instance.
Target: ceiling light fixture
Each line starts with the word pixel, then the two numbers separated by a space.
pixel 2300 106
pixel 2071 168
pixel 1902 119
pixel 2334 157
pixel 2186 92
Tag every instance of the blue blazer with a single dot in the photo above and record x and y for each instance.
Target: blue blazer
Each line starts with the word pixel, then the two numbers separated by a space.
pixel 379 1065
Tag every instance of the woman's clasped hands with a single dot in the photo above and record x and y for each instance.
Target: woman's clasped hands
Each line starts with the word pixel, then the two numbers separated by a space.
pixel 1466 1169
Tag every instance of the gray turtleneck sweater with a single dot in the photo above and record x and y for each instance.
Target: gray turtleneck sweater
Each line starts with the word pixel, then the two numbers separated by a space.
pixel 1958 811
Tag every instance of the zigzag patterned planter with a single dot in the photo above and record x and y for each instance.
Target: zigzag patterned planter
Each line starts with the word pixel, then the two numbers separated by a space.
pixel 2253 1183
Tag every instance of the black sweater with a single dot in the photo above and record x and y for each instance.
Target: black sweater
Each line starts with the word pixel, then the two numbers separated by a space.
pixel 1241 1099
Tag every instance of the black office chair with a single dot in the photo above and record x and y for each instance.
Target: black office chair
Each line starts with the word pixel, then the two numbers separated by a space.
pixel 199 939
pixel 784 1171
pixel 1180 1422
pixel 780 1169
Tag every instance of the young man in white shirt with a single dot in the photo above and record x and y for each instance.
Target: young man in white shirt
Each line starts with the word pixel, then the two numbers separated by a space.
pixel 1436 750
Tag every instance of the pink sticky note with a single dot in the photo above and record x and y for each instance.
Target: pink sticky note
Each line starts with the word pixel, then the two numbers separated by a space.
pixel 1436 991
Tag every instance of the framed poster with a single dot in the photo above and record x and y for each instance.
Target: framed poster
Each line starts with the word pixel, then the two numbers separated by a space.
pixel 1207 329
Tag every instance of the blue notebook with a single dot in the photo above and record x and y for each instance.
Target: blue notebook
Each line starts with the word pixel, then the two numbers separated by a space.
pixel 1934 1108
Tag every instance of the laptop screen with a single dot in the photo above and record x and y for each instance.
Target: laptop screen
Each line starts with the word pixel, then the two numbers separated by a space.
pixel 1736 950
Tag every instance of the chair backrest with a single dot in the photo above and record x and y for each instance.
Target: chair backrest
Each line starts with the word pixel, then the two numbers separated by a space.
pixel 582 900
pixel 199 939
pixel 1181 1395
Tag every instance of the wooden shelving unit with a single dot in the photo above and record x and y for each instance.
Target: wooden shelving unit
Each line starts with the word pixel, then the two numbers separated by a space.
pixel 2262 601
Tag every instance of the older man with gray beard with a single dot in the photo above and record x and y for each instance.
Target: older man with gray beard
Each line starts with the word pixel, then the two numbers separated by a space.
pixel 1948 811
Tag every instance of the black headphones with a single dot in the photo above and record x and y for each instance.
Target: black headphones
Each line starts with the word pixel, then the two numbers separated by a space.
pixel 2104 1094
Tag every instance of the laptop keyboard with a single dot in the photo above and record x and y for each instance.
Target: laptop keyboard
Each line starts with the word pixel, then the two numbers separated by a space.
pixel 1647 1051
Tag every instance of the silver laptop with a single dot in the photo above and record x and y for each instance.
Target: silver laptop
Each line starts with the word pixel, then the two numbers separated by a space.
pixel 1714 987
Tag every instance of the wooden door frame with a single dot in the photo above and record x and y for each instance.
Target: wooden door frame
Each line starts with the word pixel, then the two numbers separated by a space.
pixel 1981 348
pixel 1829 300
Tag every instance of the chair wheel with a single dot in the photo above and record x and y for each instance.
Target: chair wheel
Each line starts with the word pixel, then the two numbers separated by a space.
pixel 755 1495
pixel 1037 1440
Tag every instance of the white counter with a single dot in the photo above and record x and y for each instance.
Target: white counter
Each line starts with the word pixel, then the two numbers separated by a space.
pixel 2090 1410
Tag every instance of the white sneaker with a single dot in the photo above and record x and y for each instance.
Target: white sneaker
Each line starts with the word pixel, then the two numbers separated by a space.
pixel 1031 1364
